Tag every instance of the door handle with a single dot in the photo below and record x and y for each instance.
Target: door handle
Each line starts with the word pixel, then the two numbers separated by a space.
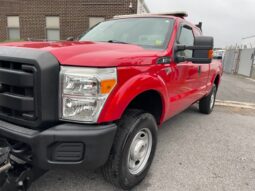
pixel 199 70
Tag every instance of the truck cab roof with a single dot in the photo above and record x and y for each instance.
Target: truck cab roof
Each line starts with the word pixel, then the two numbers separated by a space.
pixel 180 14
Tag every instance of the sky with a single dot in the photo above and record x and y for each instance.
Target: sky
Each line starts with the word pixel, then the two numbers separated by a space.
pixel 228 21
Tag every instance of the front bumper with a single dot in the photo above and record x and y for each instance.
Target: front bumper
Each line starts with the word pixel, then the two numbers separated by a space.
pixel 64 145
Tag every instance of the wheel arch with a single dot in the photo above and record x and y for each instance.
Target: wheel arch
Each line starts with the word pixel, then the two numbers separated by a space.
pixel 149 101
pixel 217 81
pixel 129 95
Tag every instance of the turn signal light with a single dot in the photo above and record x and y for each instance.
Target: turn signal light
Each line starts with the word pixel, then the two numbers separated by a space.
pixel 210 54
pixel 107 86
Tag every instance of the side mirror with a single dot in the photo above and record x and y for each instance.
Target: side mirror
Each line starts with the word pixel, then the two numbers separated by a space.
pixel 202 50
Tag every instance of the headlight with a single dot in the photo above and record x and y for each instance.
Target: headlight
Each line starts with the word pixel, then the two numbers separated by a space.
pixel 84 91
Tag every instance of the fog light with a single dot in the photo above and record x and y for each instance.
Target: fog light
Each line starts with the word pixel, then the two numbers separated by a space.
pixel 67 152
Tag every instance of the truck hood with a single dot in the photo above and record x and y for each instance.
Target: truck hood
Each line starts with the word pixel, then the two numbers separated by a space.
pixel 94 54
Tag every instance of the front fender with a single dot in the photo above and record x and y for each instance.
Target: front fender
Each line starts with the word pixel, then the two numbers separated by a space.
pixel 132 83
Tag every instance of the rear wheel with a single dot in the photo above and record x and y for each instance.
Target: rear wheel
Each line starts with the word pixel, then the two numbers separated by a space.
pixel 133 150
pixel 206 104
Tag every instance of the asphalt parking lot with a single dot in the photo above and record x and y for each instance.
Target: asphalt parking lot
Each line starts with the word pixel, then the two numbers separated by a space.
pixel 195 151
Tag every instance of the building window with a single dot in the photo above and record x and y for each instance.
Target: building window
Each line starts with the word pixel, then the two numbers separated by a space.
pixel 13 27
pixel 52 28
pixel 95 20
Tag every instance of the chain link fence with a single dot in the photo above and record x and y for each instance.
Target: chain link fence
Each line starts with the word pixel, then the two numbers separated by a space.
pixel 240 61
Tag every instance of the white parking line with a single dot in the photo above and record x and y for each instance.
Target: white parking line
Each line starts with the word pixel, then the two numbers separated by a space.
pixel 243 105
pixel 250 79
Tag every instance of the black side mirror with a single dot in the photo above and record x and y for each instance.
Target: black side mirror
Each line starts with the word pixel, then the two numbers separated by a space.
pixel 202 50
pixel 71 38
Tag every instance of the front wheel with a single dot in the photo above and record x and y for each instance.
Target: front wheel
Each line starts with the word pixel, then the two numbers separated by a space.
pixel 133 150
pixel 206 104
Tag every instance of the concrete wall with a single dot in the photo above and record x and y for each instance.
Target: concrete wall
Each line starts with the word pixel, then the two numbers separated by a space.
pixel 253 71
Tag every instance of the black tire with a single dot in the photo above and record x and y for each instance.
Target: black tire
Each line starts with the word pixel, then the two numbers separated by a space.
pixel 205 105
pixel 116 170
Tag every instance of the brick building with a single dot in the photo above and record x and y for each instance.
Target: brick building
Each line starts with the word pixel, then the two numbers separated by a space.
pixel 59 19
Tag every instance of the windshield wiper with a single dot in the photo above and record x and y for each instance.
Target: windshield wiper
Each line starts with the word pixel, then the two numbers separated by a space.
pixel 116 41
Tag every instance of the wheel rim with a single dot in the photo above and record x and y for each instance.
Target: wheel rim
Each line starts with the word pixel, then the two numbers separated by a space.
pixel 212 99
pixel 139 152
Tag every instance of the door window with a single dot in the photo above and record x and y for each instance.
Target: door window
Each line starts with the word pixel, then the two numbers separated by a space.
pixel 186 38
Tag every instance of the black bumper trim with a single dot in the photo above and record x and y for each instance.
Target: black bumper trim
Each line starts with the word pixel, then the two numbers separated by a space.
pixel 97 141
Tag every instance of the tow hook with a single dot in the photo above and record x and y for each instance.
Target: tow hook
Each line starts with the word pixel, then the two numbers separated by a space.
pixel 15 173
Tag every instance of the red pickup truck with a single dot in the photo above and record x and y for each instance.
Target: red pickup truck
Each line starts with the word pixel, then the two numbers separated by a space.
pixel 99 101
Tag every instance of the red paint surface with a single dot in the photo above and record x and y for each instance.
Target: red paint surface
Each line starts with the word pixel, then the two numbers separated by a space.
pixel 179 85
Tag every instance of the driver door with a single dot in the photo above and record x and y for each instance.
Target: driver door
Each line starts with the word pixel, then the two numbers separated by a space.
pixel 184 79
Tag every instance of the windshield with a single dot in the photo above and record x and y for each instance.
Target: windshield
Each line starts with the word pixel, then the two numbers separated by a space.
pixel 152 33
